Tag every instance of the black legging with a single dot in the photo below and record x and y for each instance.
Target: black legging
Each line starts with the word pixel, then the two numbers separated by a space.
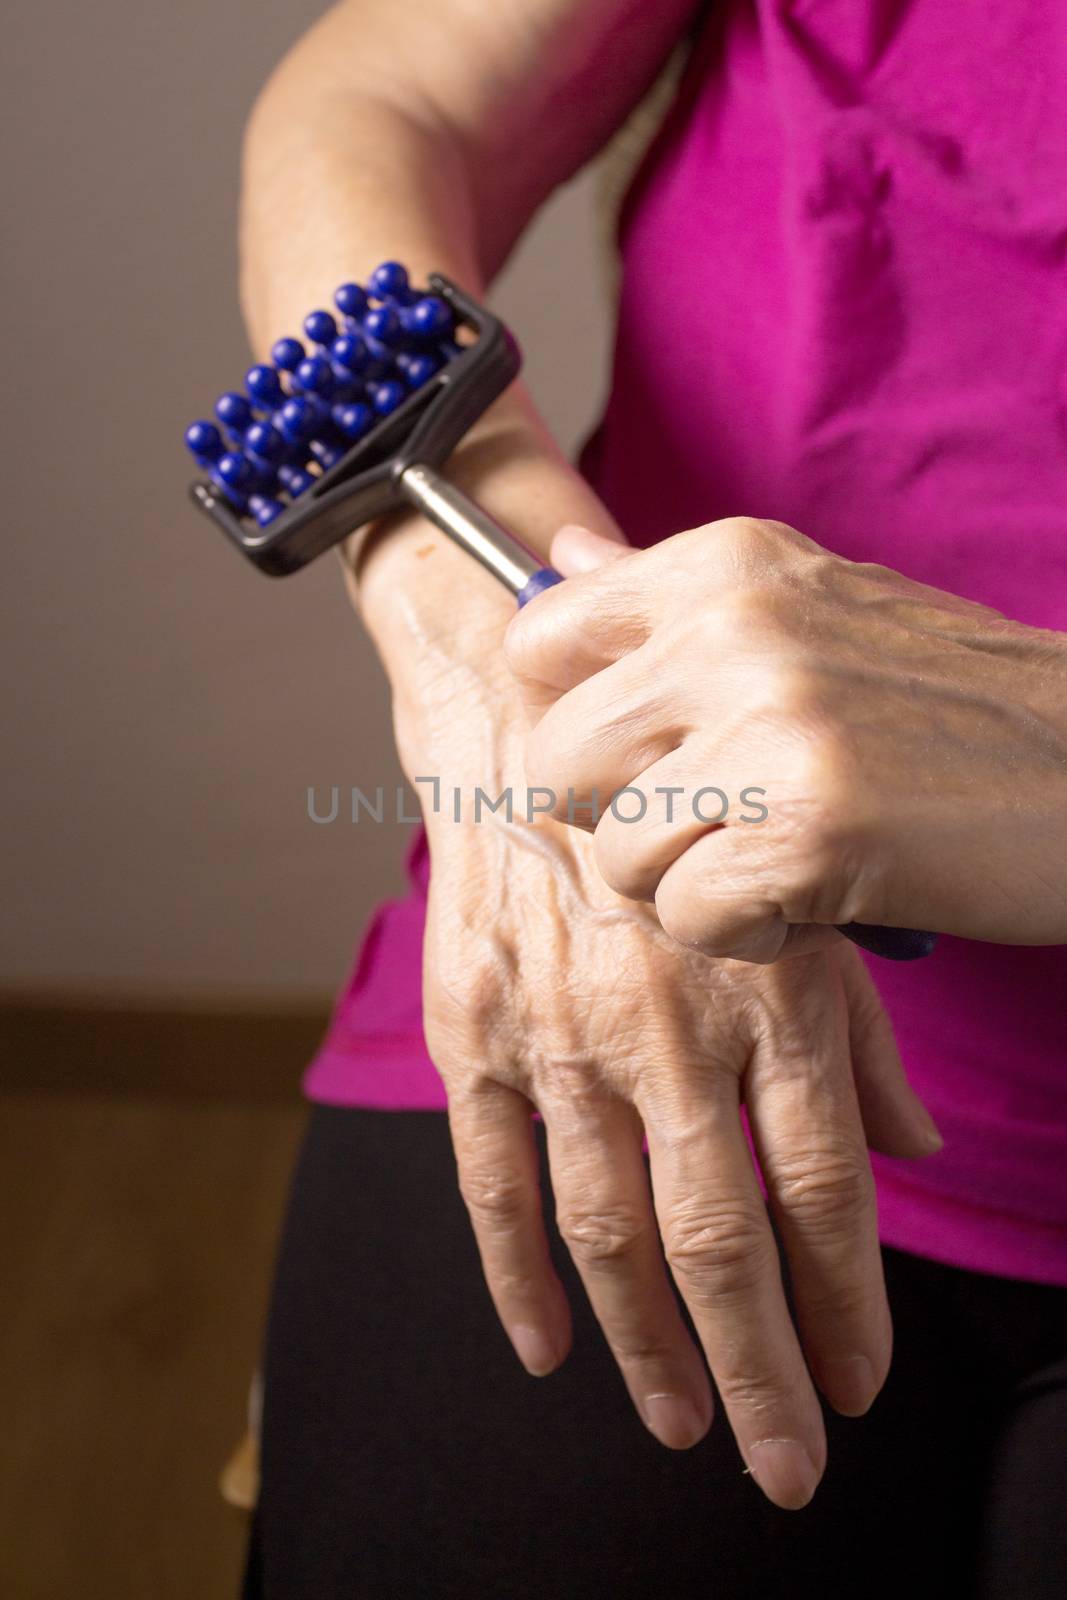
pixel 407 1455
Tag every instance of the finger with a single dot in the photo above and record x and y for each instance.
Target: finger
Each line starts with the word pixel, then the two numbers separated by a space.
pixel 576 549
pixel 895 1121
pixel 604 1215
pixel 721 1250
pixel 496 1157
pixel 602 735
pixel 617 596
pixel 809 1138
pixel 577 628
pixel 714 898
pixel 663 811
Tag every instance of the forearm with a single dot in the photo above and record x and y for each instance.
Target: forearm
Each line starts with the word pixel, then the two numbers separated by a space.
pixel 374 185
pixel 373 182
pixel 366 146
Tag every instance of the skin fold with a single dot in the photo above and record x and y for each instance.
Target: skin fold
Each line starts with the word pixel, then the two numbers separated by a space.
pixel 430 133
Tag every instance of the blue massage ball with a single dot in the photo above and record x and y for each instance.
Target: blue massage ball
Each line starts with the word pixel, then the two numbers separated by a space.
pixel 419 370
pixel 295 481
pixel 266 510
pixel 314 375
pixel 265 442
pixel 234 411
pixel 320 327
pixel 264 385
pixel 353 420
pixel 385 397
pixel 235 470
pixel 297 418
pixel 389 281
pixel 350 353
pixel 429 318
pixel 383 325
pixel 204 440
pixel 351 300
pixel 288 354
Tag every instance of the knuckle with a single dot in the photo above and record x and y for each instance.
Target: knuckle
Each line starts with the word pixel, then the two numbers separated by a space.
pixel 444 1045
pixel 791 691
pixel 718 1254
pixel 466 973
pixel 829 852
pixel 751 622
pixel 565 1077
pixel 695 913
pixel 742 613
pixel 602 1237
pixel 739 536
pixel 691 1116
pixel 829 1193
pixel 461 1004
pixel 751 1393
pixel 824 771
pixel 496 1201
pixel 753 545
pixel 537 637
pixel 638 1349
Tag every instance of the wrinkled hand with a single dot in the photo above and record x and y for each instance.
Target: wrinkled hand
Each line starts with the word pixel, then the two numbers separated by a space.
pixel 910 747
pixel 544 989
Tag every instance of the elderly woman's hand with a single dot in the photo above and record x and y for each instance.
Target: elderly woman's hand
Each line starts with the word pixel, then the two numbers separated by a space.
pixel 544 990
pixel 864 748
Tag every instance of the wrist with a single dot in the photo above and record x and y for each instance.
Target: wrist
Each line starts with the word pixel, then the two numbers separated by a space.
pixel 427 604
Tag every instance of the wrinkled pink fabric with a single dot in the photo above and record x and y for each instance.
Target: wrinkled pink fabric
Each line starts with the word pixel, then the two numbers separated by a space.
pixel 845 307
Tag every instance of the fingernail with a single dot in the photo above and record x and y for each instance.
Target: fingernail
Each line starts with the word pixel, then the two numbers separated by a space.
pixel 784 1471
pixel 675 1420
pixel 580 549
pixel 848 1383
pixel 928 1131
pixel 535 1350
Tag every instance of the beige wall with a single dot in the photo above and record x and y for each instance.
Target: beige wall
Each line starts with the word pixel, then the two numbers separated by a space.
pixel 165 707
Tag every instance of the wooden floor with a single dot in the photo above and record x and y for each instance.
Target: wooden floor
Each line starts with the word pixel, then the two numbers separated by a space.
pixel 141 1186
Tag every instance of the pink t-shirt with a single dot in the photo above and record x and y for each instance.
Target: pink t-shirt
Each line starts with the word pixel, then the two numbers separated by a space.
pixel 845 306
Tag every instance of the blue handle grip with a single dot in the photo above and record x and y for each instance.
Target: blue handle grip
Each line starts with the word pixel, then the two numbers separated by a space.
pixel 892 944
pixel 545 579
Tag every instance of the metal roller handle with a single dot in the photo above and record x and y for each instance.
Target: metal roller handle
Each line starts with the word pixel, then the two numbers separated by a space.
pixel 448 508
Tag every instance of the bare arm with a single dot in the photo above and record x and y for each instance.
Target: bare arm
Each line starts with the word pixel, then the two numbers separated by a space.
pixel 431 133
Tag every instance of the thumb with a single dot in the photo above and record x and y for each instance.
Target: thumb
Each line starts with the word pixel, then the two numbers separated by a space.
pixel 576 549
